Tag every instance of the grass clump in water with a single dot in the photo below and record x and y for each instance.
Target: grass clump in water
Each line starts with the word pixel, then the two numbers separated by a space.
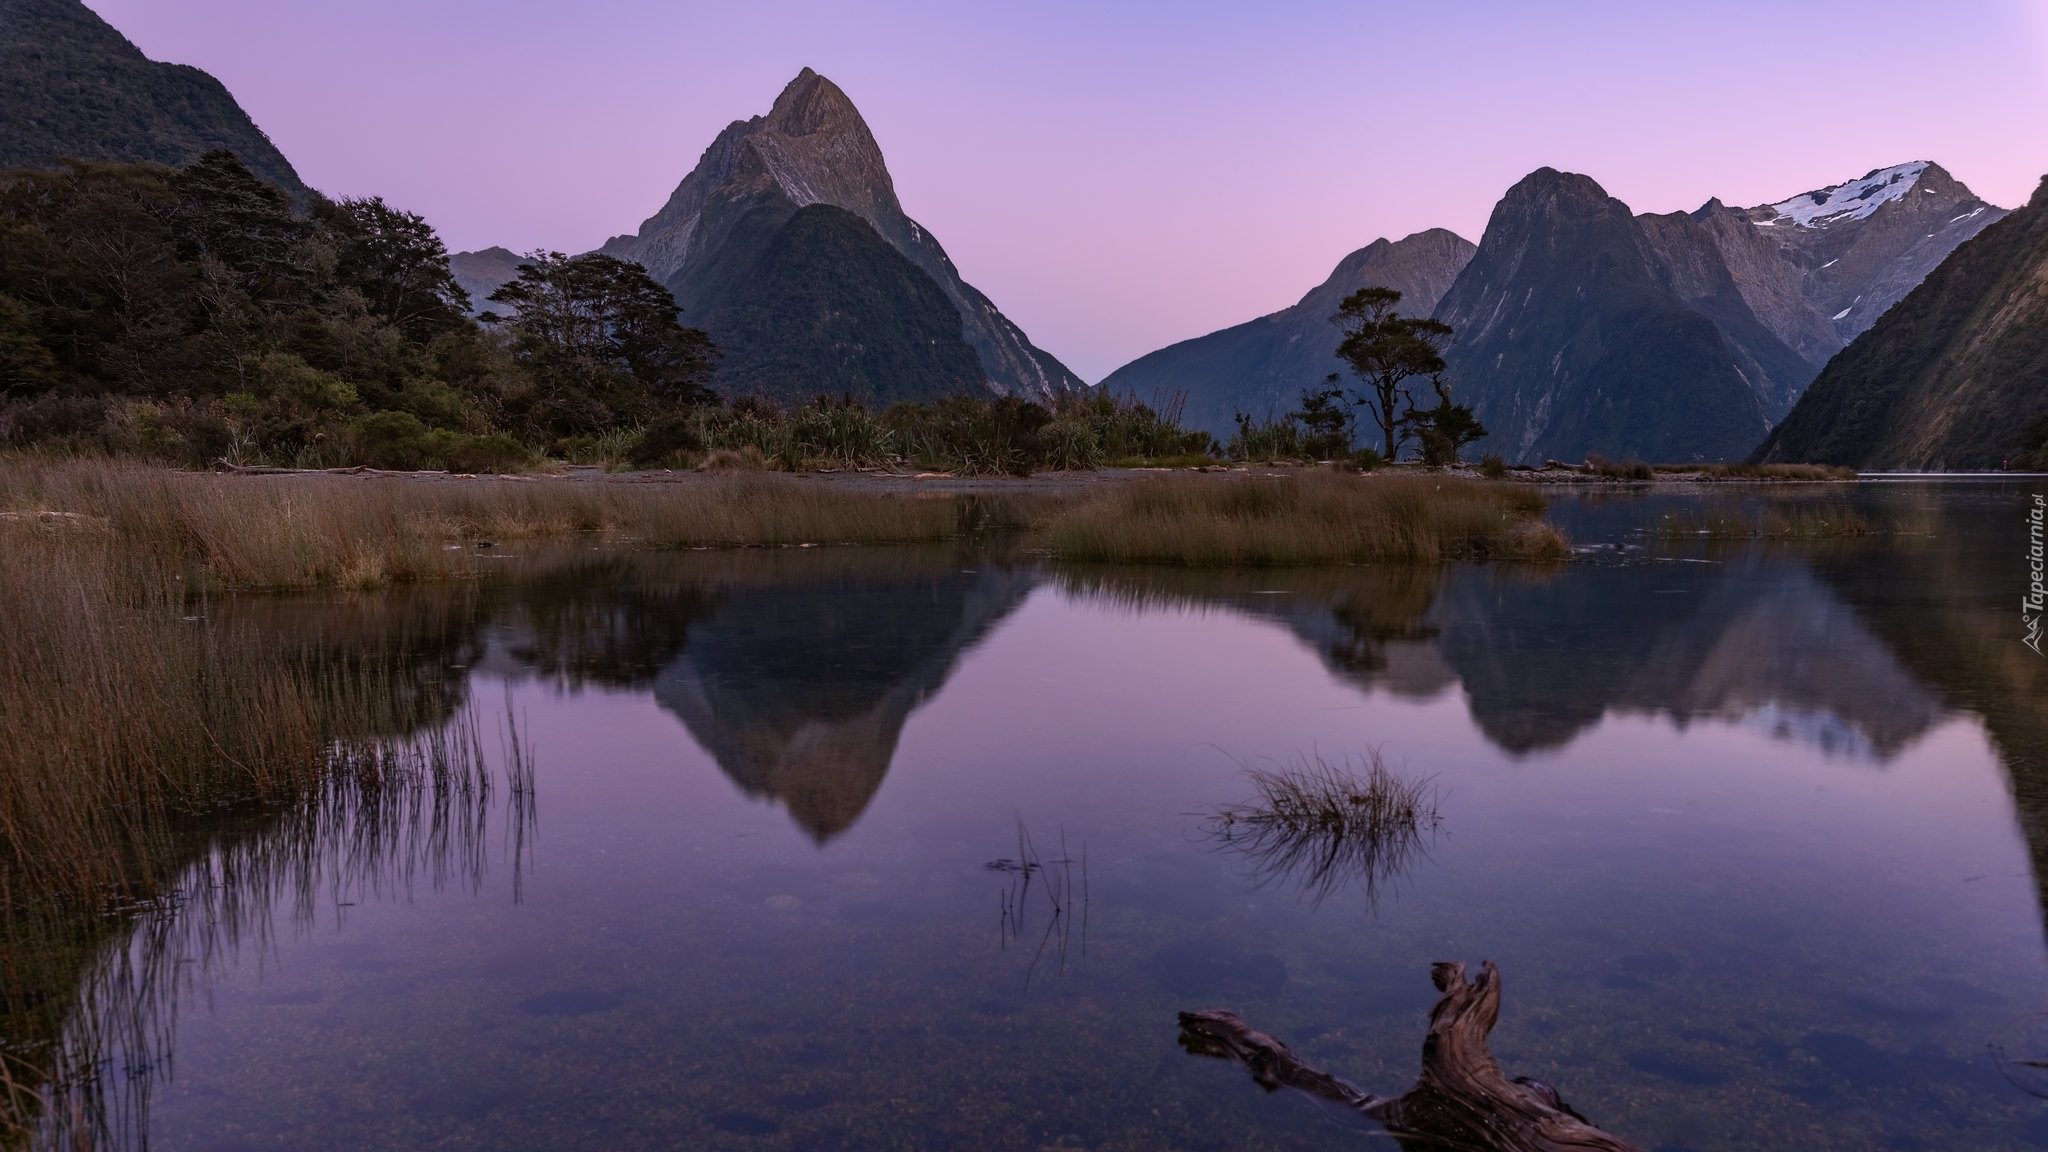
pixel 1314 517
pixel 1775 521
pixel 1324 826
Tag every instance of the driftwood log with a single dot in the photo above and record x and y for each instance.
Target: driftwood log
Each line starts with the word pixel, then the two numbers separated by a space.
pixel 1461 1100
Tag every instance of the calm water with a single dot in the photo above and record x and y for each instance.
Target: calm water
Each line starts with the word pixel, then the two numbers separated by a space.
pixel 1752 833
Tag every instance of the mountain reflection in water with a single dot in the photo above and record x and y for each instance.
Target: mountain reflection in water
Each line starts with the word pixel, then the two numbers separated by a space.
pixel 797 672
pixel 799 690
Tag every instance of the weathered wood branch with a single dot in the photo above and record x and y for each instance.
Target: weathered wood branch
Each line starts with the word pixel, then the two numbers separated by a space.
pixel 1461 1100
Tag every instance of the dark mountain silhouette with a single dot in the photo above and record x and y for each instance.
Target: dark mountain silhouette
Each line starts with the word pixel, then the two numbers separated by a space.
pixel 719 246
pixel 1575 335
pixel 72 86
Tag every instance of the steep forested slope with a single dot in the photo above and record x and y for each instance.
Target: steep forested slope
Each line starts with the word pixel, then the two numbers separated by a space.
pixel 70 85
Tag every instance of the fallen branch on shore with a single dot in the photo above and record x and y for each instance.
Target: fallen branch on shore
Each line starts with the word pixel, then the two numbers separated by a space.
pixel 1461 1100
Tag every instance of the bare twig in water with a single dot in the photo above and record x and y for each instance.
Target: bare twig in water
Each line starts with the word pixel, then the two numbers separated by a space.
pixel 1013 905
pixel 1324 826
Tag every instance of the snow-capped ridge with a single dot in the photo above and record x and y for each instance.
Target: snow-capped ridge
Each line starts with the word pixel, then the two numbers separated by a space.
pixel 1851 200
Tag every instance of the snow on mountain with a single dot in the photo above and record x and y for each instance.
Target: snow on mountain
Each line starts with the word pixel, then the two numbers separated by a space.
pixel 1853 200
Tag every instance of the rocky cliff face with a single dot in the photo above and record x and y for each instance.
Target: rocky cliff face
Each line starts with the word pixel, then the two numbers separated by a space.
pixel 1855 248
pixel 811 148
pixel 1955 376
pixel 1262 366
pixel 1581 328
pixel 70 85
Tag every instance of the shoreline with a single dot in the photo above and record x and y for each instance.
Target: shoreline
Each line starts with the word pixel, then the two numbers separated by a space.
pixel 1081 481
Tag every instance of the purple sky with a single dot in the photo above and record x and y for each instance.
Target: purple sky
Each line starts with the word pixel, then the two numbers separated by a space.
pixel 1118 176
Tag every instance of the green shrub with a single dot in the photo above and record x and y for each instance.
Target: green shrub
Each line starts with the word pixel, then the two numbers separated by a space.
pixel 665 442
pixel 495 453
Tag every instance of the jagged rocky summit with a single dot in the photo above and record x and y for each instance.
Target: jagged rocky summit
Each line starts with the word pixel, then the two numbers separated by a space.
pixel 1683 336
pixel 788 245
pixel 1262 366
pixel 1584 327
pixel 72 86
pixel 1955 376
pixel 1820 268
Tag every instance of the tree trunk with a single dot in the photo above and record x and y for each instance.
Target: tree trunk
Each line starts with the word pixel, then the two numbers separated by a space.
pixel 1461 1100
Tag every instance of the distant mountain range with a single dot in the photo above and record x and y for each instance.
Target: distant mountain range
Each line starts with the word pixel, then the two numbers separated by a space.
pixel 1583 327
pixel 787 244
pixel 1955 376
pixel 72 86
pixel 1262 365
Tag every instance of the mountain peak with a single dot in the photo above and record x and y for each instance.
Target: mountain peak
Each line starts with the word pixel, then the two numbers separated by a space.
pixel 811 104
pixel 1849 200
pixel 722 225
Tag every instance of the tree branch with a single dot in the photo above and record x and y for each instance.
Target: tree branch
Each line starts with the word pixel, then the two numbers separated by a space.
pixel 1462 1099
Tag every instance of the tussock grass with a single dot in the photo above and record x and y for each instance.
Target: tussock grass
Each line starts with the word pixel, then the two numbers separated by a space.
pixel 1324 826
pixel 351 531
pixel 1314 517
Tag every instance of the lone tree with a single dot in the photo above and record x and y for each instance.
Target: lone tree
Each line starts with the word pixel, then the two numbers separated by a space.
pixel 1385 350
pixel 1444 429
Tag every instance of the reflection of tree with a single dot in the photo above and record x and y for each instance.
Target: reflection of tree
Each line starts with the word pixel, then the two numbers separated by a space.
pixel 1368 624
pixel 616 622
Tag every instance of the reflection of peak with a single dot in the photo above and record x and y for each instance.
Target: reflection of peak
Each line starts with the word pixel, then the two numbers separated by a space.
pixel 1542 661
pixel 800 690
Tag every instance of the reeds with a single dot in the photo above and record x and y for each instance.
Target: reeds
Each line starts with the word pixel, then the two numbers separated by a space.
pixel 356 531
pixel 1313 517
pixel 1065 903
pixel 1326 826
pixel 78 1068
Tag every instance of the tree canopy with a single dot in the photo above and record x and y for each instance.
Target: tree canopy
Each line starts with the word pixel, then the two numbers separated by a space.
pixel 199 313
pixel 603 340
pixel 1385 350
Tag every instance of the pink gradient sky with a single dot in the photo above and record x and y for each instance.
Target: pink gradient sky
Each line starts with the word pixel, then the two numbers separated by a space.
pixel 1118 176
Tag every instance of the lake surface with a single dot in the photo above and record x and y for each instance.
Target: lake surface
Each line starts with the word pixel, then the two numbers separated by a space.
pixel 1753 831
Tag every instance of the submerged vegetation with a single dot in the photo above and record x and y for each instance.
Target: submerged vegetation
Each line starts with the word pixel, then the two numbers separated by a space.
pixel 1775 520
pixel 1324 826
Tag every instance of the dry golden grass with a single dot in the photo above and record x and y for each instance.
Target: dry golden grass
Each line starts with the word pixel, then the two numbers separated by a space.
pixel 350 531
pixel 122 702
pixel 1315 517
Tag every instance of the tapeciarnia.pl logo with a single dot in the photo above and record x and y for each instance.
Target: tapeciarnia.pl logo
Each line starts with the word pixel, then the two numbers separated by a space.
pixel 2037 596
